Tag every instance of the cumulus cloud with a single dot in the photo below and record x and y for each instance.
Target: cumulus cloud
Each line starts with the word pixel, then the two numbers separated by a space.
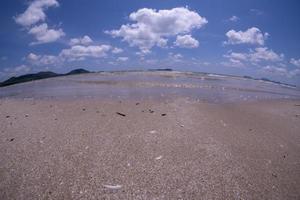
pixel 32 57
pixel 259 54
pixel 237 56
pixel 251 36
pixel 123 59
pixel 45 35
pixel 295 62
pixel 280 71
pixel 276 70
pixel 152 27
pixel 263 53
pixel 74 53
pixel 79 52
pixel 35 12
pixel 234 18
pixel 85 40
pixel 233 63
pixel 176 56
pixel 42 60
pixel 117 50
pixel 186 41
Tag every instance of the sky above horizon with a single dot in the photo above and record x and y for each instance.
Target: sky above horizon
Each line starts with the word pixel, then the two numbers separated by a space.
pixel 258 38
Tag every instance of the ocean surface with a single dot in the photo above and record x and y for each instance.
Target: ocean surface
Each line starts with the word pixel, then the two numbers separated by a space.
pixel 149 85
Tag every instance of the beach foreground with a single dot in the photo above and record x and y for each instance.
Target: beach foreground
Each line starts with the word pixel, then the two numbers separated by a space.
pixel 150 149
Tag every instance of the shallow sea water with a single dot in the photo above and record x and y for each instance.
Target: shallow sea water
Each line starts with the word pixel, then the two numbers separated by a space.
pixel 151 85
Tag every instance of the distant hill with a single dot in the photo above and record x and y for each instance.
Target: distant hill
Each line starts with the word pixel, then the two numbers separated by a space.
pixel 163 70
pixel 49 74
pixel 38 76
pixel 77 71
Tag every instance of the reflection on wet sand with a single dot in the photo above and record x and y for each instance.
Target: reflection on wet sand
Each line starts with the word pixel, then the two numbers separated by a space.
pixel 209 87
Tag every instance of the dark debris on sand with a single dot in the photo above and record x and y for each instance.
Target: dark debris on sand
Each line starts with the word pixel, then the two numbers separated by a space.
pixel 121 114
pixel 151 111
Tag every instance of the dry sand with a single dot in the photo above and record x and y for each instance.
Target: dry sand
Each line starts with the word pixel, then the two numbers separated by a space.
pixel 161 149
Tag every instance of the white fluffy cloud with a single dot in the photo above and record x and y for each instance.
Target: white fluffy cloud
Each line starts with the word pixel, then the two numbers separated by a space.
pixel 260 54
pixel 85 40
pixel 117 50
pixel 233 63
pixel 35 12
pixel 33 57
pixel 45 35
pixel 238 56
pixel 152 27
pixel 280 71
pixel 295 62
pixel 79 52
pixel 265 54
pixel 176 56
pixel 186 41
pixel 233 18
pixel 74 53
pixel 123 59
pixel 276 70
pixel 42 60
pixel 251 36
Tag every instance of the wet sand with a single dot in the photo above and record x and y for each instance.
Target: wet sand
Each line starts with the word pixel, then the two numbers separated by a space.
pixel 160 149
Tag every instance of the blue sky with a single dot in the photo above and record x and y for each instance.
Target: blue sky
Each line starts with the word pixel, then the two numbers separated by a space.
pixel 259 38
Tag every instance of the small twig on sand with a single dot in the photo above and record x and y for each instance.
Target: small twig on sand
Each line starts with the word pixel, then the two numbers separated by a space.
pixel 121 114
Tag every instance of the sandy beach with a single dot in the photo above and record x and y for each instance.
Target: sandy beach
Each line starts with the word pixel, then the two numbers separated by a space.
pixel 149 100
pixel 164 148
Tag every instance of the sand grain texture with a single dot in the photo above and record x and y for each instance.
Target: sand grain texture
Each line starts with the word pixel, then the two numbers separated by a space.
pixel 75 149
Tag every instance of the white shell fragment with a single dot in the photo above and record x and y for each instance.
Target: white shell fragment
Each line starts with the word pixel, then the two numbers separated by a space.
pixel 158 158
pixel 113 187
pixel 153 132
